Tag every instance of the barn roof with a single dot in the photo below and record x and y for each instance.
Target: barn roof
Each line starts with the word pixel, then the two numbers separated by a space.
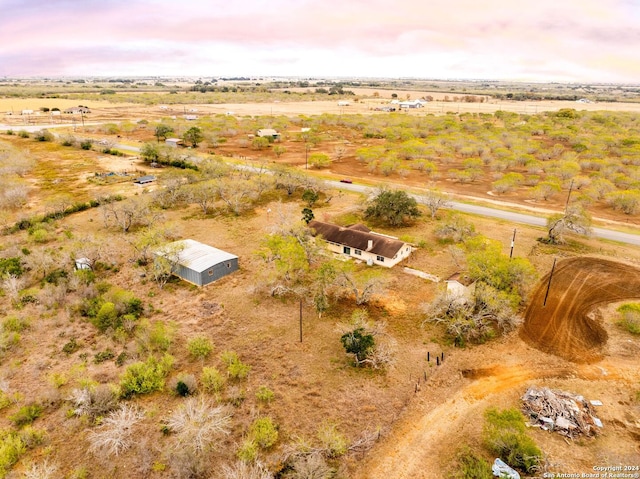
pixel 198 256
pixel 358 237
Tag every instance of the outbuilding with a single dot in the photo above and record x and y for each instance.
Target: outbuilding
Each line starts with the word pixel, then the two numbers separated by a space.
pixel 173 142
pixel 143 180
pixel 268 133
pixel 199 263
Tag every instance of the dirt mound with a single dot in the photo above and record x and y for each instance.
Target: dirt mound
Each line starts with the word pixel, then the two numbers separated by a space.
pixel 564 326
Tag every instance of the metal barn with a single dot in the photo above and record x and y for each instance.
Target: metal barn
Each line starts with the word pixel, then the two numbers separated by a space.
pixel 199 263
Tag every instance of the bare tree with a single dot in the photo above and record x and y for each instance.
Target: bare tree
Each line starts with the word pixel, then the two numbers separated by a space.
pixel 204 194
pixel 166 262
pixel 129 214
pixel 339 151
pixel 435 199
pixel 12 285
pixel 362 287
pixel 575 219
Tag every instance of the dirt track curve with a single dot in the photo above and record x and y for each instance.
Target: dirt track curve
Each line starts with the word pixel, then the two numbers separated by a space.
pixel 564 327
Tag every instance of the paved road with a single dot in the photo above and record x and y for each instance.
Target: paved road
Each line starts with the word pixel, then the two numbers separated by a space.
pixel 523 218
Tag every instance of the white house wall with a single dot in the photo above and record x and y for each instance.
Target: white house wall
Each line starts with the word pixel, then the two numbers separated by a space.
pixel 368 257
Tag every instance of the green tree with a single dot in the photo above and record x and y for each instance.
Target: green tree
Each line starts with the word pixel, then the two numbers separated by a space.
pixel 359 343
pixel 310 197
pixel 487 263
pixel 279 150
pixel 319 160
pixel 150 152
pixel 307 215
pixel 392 207
pixel 162 131
pixel 193 135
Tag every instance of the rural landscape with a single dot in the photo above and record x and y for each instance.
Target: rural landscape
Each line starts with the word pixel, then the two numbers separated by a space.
pixel 407 279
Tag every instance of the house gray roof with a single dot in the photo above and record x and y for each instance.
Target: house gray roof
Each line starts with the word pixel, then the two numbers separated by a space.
pixel 358 237
pixel 197 256
pixel 145 179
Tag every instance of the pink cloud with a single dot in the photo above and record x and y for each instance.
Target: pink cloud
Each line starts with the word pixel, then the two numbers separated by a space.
pixel 59 35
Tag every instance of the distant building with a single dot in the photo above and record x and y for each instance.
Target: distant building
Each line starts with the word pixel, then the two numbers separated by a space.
pixel 359 242
pixel 268 133
pixel 191 117
pixel 411 104
pixel 199 263
pixel 77 109
pixel 173 142
pixel 343 103
pixel 26 112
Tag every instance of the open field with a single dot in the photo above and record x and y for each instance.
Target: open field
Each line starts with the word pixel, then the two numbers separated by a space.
pixel 418 413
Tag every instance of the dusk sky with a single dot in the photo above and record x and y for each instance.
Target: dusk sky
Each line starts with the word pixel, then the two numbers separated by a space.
pixel 541 40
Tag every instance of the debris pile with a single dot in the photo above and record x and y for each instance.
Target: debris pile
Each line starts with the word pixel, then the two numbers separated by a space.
pixel 565 413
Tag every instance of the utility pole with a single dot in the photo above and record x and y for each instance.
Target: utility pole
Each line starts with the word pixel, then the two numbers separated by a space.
pixel 513 242
pixel 566 206
pixel 546 295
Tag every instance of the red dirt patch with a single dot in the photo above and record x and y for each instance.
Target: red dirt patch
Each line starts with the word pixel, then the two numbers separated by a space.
pixel 565 327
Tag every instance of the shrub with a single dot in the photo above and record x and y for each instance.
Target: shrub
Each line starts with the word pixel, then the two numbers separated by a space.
pixel 156 336
pixel 71 346
pixel 471 466
pixel 263 431
pixel 200 348
pixel 236 369
pixel 86 144
pixel 103 356
pixel 94 401
pixel 185 385
pixel 212 380
pixel 248 451
pixel 145 377
pixel 505 435
pixel 115 434
pixel 106 318
pixel 333 441
pixel 26 415
pixel 11 266
pixel 43 135
pixel 197 424
pixel 15 324
pixel 11 448
pixel 23 134
pixel 630 317
pixel 265 394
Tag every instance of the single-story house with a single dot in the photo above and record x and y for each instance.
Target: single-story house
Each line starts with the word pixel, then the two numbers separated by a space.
pixel 191 117
pixel 77 109
pixel 173 142
pixel 460 285
pixel 268 132
pixel 143 180
pixel 343 103
pixel 26 112
pixel 199 263
pixel 411 104
pixel 358 241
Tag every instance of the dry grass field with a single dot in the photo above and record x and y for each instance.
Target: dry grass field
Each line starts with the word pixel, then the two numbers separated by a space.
pixel 419 413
